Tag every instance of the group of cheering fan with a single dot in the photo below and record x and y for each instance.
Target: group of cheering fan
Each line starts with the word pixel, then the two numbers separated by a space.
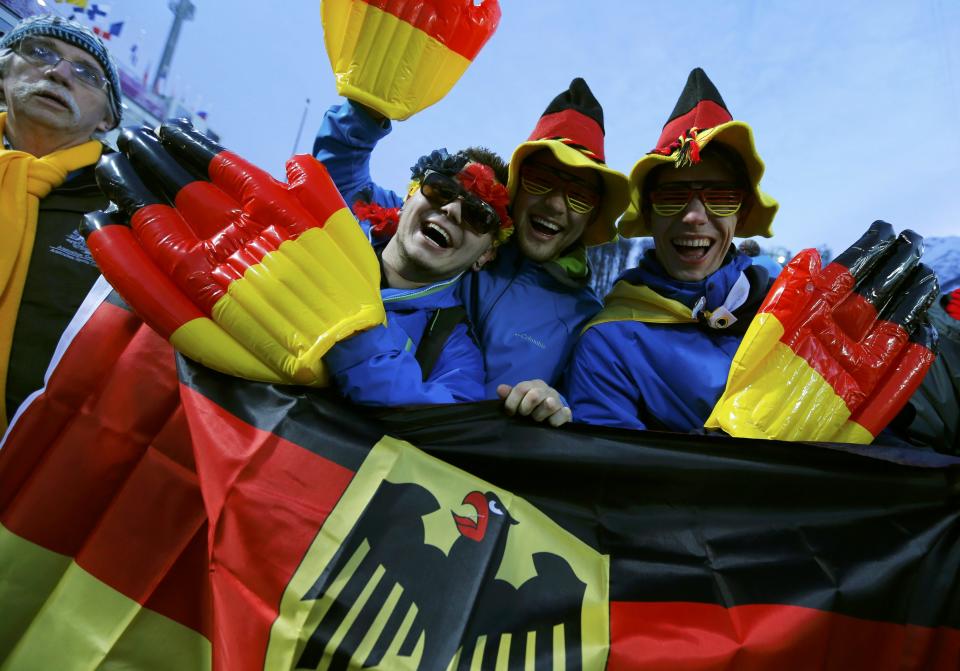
pixel 472 283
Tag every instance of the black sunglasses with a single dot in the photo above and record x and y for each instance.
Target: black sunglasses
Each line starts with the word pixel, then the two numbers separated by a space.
pixel 478 215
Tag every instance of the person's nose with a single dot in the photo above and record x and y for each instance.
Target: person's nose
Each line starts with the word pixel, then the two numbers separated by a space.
pixel 453 211
pixel 696 212
pixel 555 201
pixel 61 72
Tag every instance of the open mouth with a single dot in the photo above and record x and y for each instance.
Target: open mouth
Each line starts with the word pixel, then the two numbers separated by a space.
pixel 692 250
pixel 57 100
pixel 544 227
pixel 436 235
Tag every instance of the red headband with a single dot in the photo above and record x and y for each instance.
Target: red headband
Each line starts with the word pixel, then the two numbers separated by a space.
pixel 480 180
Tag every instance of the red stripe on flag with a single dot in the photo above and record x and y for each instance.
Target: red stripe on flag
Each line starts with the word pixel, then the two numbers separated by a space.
pixel 93 351
pixel 460 26
pixel 104 407
pixel 266 500
pixel 151 519
pixel 184 594
pixel 701 637
pixel 856 315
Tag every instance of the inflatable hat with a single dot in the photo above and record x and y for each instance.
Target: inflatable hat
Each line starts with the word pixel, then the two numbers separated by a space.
pixel 572 129
pixel 699 118
pixel 402 56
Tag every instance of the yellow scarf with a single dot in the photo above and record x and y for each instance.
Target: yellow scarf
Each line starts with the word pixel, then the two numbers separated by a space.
pixel 629 302
pixel 24 180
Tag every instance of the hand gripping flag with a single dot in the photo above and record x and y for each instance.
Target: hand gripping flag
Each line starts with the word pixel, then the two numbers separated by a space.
pixel 402 56
pixel 248 275
pixel 834 353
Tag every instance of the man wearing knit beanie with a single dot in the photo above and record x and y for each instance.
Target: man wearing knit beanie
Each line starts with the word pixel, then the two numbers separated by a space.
pixel 59 88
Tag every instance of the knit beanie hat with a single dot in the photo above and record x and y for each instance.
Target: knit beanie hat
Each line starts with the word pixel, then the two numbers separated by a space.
pixel 78 35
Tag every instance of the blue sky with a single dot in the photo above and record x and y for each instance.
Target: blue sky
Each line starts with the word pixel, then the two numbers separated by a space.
pixel 853 104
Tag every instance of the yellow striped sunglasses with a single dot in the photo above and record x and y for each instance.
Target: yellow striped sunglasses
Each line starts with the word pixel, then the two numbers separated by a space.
pixel 719 200
pixel 540 180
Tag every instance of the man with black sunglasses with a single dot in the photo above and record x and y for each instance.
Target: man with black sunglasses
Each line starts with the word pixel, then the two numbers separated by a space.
pixel 453 215
pixel 60 89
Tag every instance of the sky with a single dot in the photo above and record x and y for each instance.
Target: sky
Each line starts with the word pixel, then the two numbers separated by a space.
pixel 853 104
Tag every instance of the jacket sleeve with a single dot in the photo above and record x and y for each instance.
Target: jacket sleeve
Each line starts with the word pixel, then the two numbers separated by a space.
pixel 344 143
pixel 598 388
pixel 378 367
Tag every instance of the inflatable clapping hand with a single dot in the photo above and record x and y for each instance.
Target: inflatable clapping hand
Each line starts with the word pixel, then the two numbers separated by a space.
pixel 834 353
pixel 401 56
pixel 245 274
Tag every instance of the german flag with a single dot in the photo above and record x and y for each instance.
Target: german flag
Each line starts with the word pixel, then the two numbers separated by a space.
pixel 103 535
pixel 255 526
pixel 401 56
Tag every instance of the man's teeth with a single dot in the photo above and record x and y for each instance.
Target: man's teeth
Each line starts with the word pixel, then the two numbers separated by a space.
pixel 442 233
pixel 549 225
pixel 685 242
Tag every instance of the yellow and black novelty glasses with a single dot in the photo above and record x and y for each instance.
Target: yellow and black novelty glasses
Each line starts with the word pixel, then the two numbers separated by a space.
pixel 719 200
pixel 538 180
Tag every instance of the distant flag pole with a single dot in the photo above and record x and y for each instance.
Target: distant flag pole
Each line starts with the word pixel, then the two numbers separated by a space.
pixel 300 130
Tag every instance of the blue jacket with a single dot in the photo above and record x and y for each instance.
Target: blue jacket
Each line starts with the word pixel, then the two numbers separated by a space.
pixel 379 367
pixel 344 144
pixel 527 316
pixel 645 361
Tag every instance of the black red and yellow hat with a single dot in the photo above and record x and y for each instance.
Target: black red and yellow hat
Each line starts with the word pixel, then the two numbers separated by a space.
pixel 572 129
pixel 699 118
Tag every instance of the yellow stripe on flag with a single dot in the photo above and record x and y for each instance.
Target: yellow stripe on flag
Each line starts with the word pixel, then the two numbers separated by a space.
pixel 58 616
pixel 28 574
pixel 384 62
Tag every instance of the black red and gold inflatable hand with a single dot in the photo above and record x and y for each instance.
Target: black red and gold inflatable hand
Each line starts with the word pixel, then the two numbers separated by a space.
pixel 401 56
pixel 242 273
pixel 834 352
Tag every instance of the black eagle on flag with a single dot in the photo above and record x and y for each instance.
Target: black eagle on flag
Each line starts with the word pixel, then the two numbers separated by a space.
pixel 388 585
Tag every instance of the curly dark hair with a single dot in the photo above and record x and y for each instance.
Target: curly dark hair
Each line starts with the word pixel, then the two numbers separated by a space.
pixel 439 160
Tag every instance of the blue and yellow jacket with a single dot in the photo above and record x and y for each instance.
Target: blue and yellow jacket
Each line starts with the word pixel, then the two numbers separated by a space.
pixel 658 354
pixel 379 366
